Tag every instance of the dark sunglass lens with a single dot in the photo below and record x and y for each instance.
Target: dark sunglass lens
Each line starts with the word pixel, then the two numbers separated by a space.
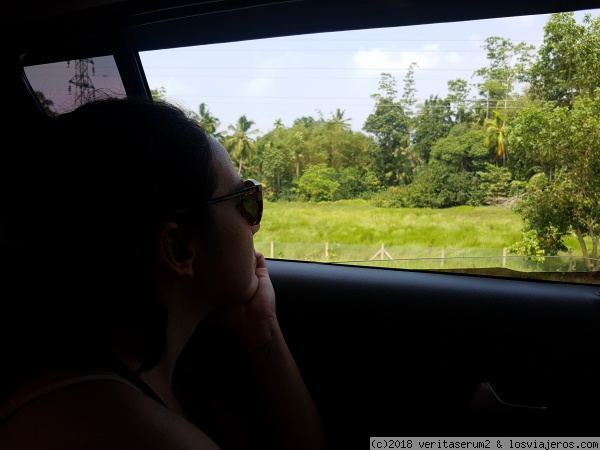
pixel 252 208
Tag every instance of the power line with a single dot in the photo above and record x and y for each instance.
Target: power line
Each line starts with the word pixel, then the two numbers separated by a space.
pixel 389 69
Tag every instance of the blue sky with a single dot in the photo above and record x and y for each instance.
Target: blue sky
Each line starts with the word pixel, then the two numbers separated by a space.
pixel 289 77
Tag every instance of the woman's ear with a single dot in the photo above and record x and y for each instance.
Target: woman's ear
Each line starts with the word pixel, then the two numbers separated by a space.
pixel 174 249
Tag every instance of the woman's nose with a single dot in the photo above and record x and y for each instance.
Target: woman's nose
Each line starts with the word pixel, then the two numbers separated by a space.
pixel 255 228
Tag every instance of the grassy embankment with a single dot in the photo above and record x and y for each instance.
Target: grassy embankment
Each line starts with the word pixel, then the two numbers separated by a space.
pixel 355 231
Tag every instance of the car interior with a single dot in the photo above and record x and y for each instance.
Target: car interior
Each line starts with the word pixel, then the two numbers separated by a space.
pixel 385 352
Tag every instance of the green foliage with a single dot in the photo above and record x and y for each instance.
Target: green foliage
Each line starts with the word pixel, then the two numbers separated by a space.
pixel 283 155
pixel 308 122
pixel 434 186
pixel 507 64
pixel 240 144
pixel 564 198
pixel 462 148
pixel 274 166
pixel 495 181
pixel 458 92
pixel 159 94
pixel 529 246
pixel 390 125
pixel 433 122
pixel 545 213
pixel 569 59
pixel 317 184
pixel 209 122
pixel 408 92
pixel 495 133
pixel 355 183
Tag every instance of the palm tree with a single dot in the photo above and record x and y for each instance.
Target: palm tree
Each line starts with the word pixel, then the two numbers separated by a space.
pixel 494 137
pixel 239 144
pixel 209 122
pixel 337 119
pixel 278 124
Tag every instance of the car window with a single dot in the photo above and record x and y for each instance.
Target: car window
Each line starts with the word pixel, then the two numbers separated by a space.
pixel 467 146
pixel 64 85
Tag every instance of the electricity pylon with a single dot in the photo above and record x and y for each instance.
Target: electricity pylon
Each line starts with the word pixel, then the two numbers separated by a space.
pixel 84 87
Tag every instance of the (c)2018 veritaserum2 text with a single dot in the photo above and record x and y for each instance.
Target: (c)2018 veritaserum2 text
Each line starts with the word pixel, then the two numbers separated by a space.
pixel 492 443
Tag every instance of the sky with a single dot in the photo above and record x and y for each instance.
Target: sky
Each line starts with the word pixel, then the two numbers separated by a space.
pixel 313 75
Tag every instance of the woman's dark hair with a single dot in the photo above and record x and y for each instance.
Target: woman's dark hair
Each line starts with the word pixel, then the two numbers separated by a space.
pixel 90 196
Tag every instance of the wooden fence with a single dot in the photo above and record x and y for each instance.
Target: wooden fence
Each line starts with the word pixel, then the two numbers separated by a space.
pixel 397 256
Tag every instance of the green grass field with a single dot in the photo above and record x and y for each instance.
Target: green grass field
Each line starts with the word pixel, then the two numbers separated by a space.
pixel 354 231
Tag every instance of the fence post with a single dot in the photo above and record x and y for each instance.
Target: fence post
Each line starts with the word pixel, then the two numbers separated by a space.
pixel 271 249
pixel 382 252
pixel 443 257
pixel 571 263
pixel 326 250
pixel 504 252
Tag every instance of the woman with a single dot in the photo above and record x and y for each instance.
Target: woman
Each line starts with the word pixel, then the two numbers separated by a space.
pixel 146 318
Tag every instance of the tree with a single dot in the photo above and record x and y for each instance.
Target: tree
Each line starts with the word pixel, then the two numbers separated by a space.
pixel 159 94
pixel 317 183
pixel 274 165
pixel 408 99
pixel 568 61
pixel 458 91
pixel 308 122
pixel 432 122
pixel 338 121
pixel 209 122
pixel 508 63
pixel 330 142
pixel 297 146
pixel 495 136
pixel 46 104
pixel 494 181
pixel 438 186
pixel 390 125
pixel 461 149
pixel 564 196
pixel 240 145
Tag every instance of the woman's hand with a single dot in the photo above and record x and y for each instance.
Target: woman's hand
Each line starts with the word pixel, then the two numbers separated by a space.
pixel 252 322
pixel 281 406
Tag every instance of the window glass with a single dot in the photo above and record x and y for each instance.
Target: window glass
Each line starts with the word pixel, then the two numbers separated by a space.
pixel 64 85
pixel 468 147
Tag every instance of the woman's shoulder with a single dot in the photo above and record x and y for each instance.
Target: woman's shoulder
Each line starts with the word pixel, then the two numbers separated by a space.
pixel 92 410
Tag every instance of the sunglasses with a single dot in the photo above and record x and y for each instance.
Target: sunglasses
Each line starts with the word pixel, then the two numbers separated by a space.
pixel 251 198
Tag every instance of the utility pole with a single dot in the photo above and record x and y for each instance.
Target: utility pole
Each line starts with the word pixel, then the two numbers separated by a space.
pixel 84 87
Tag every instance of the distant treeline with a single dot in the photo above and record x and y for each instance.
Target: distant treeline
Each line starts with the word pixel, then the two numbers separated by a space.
pixel 537 149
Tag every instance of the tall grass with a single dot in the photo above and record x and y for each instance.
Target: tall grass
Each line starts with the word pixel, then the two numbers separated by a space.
pixel 417 238
pixel 360 223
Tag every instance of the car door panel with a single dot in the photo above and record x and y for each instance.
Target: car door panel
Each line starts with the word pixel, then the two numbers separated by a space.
pixel 388 351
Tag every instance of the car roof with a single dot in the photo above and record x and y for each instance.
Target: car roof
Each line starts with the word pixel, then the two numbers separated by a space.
pixel 174 23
